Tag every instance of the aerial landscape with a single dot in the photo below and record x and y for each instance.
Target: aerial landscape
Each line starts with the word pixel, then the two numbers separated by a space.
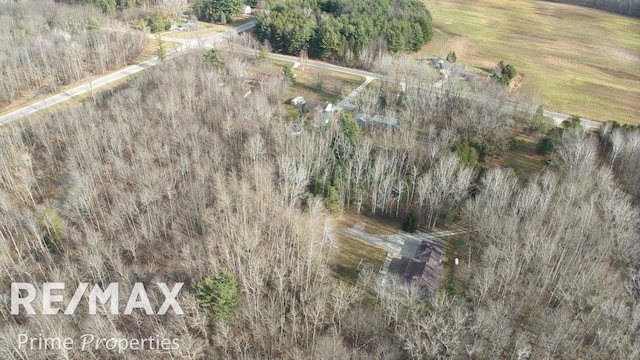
pixel 319 179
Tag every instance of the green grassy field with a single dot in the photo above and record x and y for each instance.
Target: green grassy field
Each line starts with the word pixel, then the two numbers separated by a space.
pixel 580 61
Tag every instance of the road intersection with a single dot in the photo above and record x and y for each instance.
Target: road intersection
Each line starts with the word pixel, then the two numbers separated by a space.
pixel 214 41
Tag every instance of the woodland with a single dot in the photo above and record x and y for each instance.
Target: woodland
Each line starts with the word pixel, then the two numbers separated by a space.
pixel 49 46
pixel 175 176
pixel 347 32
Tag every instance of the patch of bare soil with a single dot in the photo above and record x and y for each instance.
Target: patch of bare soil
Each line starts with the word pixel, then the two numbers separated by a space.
pixel 370 225
pixel 517 83
pixel 467 52
pixel 557 63
pixel 447 4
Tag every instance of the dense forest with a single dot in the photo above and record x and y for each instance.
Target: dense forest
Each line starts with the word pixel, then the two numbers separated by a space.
pixel 174 177
pixel 217 10
pixel 46 46
pixel 626 7
pixel 348 32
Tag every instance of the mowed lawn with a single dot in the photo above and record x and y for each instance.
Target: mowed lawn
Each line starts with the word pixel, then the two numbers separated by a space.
pixel 578 60
pixel 313 83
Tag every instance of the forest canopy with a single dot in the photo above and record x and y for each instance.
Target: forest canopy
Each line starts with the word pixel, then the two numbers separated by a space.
pixel 345 32
pixel 217 10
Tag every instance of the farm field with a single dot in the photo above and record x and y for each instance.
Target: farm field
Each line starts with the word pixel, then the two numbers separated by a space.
pixel 580 61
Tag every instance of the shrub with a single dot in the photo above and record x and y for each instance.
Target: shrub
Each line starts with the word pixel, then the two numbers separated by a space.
pixel 451 57
pixel 572 122
pixel 161 51
pixel 452 214
pixel 546 145
pixel 513 143
pixel 410 224
pixel 219 294
pixel 287 71
pixel 504 73
pixel 158 24
pixel 452 290
pixel 350 127
pixel 332 201
pixel 212 56
pixel 91 24
pixel 53 228
pixel 468 155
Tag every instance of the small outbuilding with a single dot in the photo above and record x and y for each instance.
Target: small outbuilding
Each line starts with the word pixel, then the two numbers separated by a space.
pixel 318 111
pixel 366 119
pixel 298 101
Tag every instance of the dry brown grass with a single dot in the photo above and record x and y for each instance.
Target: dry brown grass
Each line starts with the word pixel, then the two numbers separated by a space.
pixel 376 226
pixel 149 52
pixel 580 61
pixel 324 85
pixel 352 253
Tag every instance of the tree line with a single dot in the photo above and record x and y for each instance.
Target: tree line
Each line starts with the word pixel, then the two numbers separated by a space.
pixel 347 32
pixel 107 6
pixel 45 46
pixel 217 10
pixel 621 149
pixel 627 7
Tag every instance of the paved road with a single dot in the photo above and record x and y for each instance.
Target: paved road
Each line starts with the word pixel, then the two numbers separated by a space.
pixel 214 41
pixel 115 76
pixel 76 91
pixel 557 117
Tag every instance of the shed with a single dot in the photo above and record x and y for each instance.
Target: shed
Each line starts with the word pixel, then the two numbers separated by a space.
pixel 298 101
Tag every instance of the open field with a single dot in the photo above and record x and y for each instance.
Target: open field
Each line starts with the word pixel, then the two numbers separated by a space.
pixel 372 225
pixel 353 253
pixel 435 47
pixel 580 61
pixel 203 30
